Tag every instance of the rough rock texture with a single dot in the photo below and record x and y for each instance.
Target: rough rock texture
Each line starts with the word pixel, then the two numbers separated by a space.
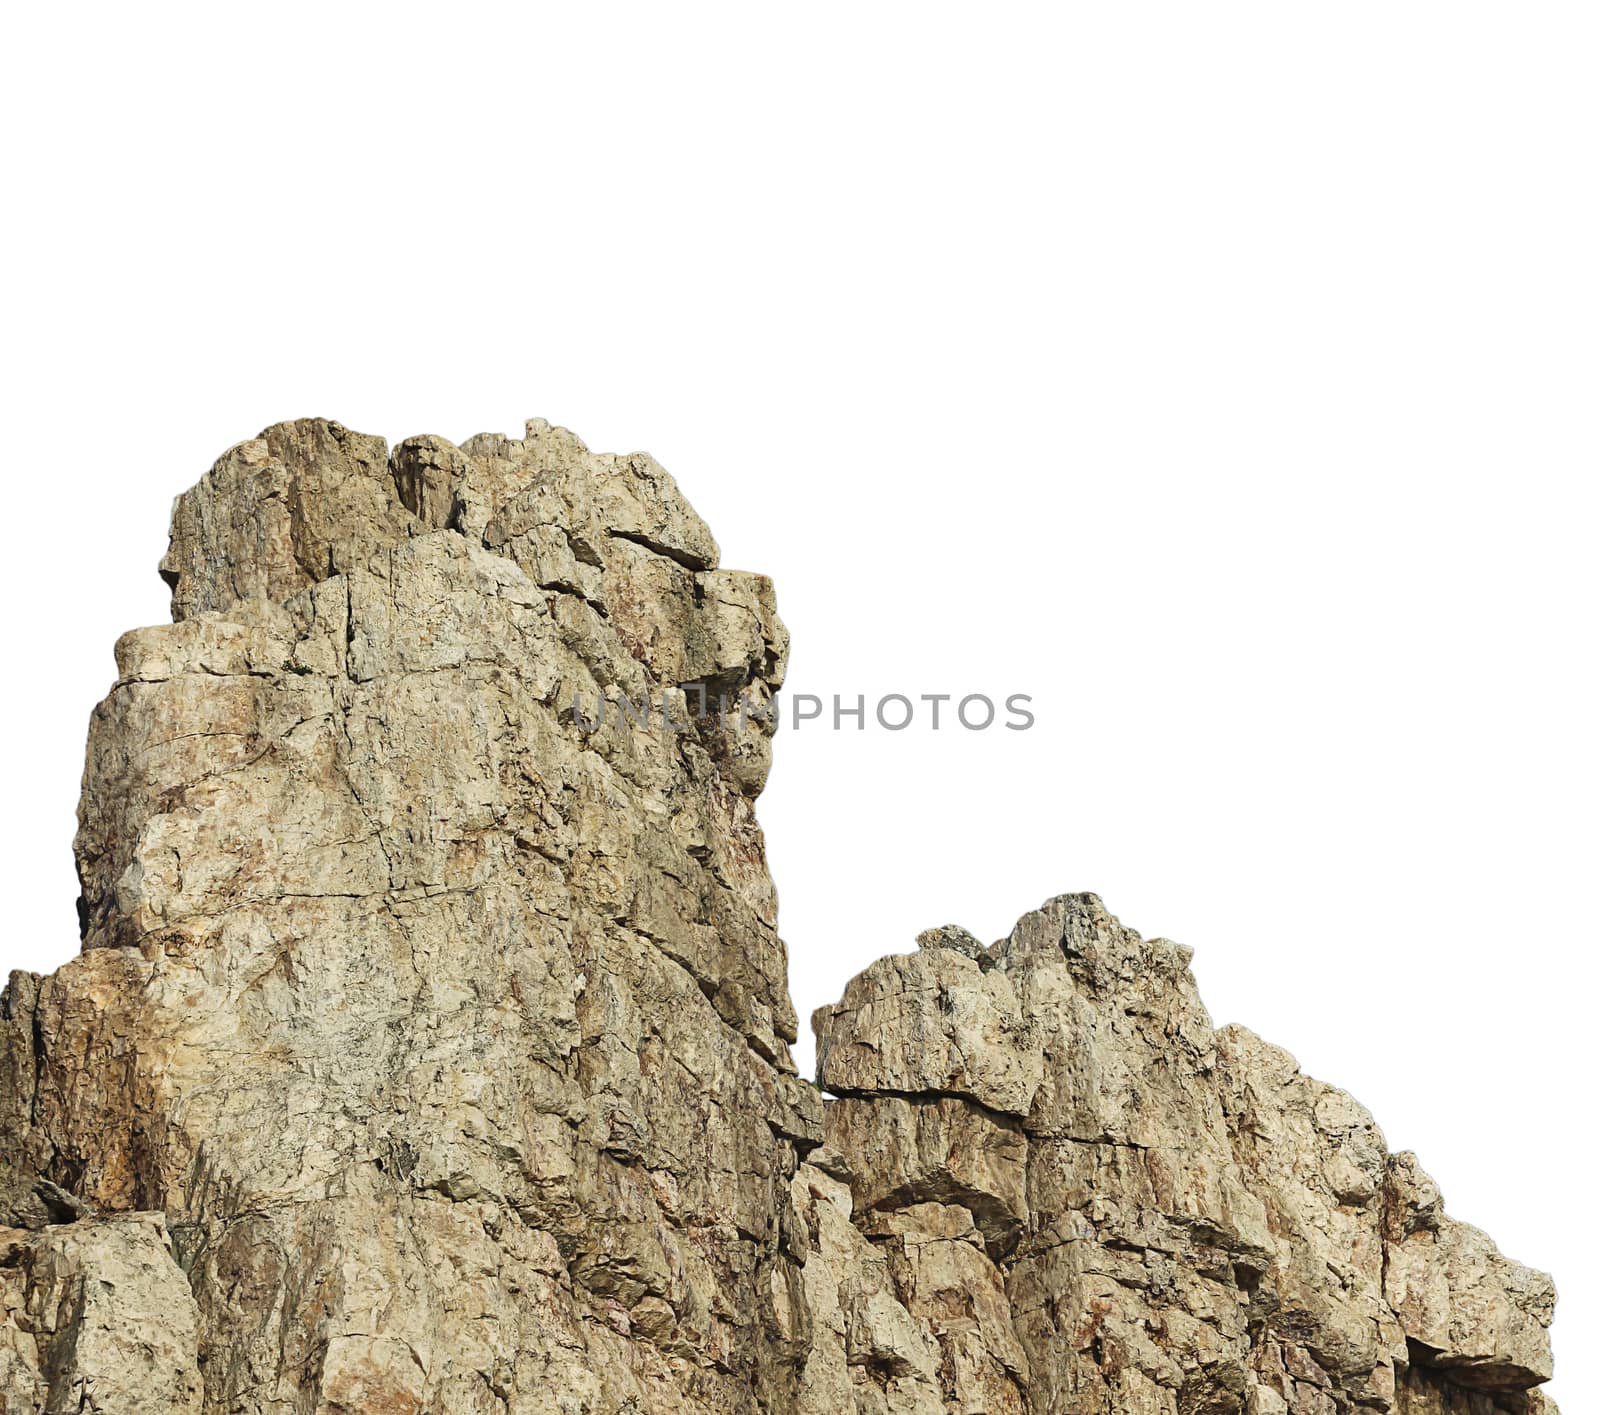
pixel 1151 1216
pixel 428 1048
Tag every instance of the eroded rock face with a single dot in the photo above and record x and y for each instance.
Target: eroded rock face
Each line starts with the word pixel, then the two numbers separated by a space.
pixel 450 1037
pixel 97 1317
pixel 428 1048
pixel 1179 1220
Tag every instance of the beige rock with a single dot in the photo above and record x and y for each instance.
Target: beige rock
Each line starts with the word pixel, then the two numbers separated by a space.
pixel 946 1151
pixel 866 1352
pixel 1464 1308
pixel 304 501
pixel 97 1317
pixel 1201 1226
pixel 932 1024
pixel 428 1050
pixel 450 1039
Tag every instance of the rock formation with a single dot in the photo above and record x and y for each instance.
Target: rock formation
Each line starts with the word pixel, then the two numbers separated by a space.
pixel 428 1049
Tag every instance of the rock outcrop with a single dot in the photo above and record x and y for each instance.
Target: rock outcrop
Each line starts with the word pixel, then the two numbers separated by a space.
pixel 1150 1215
pixel 428 1048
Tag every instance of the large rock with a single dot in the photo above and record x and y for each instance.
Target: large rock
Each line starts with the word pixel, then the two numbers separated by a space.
pixel 1202 1227
pixel 97 1318
pixel 428 1049
pixel 450 1037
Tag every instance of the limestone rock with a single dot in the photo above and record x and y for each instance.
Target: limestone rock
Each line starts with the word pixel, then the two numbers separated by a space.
pixel 1200 1226
pixel 931 1023
pixel 428 1048
pixel 1463 1307
pixel 450 1036
pixel 949 1151
pixel 97 1317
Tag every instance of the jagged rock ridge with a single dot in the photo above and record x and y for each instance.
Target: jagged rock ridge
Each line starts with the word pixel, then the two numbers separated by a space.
pixel 428 1048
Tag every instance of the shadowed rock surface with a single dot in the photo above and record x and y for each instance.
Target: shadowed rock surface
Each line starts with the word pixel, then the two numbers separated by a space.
pixel 428 1050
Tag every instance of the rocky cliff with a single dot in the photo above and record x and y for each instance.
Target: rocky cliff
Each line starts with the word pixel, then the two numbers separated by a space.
pixel 428 1048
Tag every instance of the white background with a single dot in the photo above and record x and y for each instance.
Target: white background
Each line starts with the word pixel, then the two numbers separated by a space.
pixel 1224 376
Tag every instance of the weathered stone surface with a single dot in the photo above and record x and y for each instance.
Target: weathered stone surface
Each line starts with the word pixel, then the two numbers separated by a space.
pixel 947 1151
pixel 1201 1227
pixel 428 1047
pixel 952 1028
pixel 1464 1308
pixel 304 501
pixel 451 1038
pixel 96 1316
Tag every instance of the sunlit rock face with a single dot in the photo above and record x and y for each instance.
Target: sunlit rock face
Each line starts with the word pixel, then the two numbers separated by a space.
pixel 1152 1216
pixel 428 1050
